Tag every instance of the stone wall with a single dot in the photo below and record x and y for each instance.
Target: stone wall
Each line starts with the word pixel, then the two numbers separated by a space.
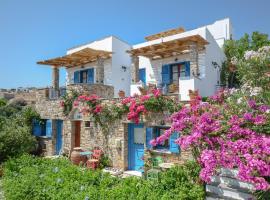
pixel 103 91
pixel 48 108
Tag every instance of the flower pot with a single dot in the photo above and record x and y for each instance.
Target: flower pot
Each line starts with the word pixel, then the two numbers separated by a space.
pixel 121 94
pixel 76 158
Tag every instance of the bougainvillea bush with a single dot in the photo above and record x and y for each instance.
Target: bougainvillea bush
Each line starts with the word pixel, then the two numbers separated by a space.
pixel 231 130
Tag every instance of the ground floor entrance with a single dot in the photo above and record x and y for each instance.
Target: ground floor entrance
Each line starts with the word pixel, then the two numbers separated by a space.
pixel 136 140
pixel 77 133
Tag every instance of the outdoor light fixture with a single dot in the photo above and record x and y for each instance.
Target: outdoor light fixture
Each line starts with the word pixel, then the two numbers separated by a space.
pixel 176 59
pixel 215 64
pixel 124 68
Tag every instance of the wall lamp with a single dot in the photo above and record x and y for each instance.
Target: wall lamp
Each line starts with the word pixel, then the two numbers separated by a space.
pixel 124 68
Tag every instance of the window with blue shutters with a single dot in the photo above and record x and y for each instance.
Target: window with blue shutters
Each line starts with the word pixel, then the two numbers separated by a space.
pixel 172 72
pixel 90 75
pixel 166 74
pixel 142 75
pixel 37 128
pixel 174 148
pixel 149 137
pixel 49 128
pixel 84 76
pixel 77 77
pixel 167 145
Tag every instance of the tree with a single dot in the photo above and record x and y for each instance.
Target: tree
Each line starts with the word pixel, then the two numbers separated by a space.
pixel 235 49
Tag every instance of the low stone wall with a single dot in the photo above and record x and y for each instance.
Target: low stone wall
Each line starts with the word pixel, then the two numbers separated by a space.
pixel 48 109
pixel 103 91
pixel 46 146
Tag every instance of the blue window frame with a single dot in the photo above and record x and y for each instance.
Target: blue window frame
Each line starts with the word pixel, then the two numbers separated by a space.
pixel 84 76
pixel 172 72
pixel 142 75
pixel 168 145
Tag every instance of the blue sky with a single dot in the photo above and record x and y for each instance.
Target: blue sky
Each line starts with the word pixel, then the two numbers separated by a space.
pixel 32 30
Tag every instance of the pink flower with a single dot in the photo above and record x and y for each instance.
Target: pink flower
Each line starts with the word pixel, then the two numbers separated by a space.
pixel 76 104
pixel 252 104
pixel 156 92
pixel 62 103
pixel 98 109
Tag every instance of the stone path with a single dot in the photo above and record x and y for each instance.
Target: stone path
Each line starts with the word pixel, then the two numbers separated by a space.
pixel 1 190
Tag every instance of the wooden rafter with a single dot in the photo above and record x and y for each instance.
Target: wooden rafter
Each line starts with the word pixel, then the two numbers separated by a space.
pixel 169 48
pixel 165 34
pixel 77 58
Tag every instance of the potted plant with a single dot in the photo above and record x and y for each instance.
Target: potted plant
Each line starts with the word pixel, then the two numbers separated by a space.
pixel 121 94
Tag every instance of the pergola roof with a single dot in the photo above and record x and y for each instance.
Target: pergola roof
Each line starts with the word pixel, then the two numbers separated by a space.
pixel 163 49
pixel 165 33
pixel 77 58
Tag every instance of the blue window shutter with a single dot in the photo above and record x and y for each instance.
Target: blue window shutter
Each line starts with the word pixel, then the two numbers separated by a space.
pixel 187 65
pixel 49 128
pixel 37 129
pixel 149 137
pixel 90 75
pixel 174 148
pixel 166 74
pixel 77 77
pixel 142 75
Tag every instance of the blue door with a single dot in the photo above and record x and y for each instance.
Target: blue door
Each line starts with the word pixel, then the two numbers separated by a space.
pixel 58 143
pixel 142 74
pixel 136 138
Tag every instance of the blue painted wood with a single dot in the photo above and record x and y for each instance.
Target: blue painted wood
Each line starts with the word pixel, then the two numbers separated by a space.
pixel 59 130
pixel 174 148
pixel 37 128
pixel 77 77
pixel 135 151
pixel 90 75
pixel 166 74
pixel 142 75
pixel 49 128
pixel 187 69
pixel 149 137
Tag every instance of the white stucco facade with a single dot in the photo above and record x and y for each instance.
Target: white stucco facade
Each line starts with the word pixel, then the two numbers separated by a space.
pixel 209 74
pixel 117 69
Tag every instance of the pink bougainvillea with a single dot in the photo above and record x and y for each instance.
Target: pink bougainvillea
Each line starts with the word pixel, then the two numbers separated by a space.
pixel 223 139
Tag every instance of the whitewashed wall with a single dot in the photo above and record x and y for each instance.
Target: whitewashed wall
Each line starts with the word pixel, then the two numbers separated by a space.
pixel 114 74
pixel 221 30
pixel 121 78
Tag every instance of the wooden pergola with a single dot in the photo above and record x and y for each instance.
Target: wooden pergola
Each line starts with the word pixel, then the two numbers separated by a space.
pixel 78 58
pixel 165 33
pixel 170 48
pixel 160 48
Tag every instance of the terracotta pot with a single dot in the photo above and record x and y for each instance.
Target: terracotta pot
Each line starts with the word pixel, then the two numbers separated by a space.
pixel 76 158
pixel 121 94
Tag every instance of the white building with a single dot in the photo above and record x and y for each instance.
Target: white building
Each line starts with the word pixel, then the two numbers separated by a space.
pixel 188 60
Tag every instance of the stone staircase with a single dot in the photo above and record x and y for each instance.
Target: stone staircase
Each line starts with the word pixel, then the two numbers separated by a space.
pixel 226 186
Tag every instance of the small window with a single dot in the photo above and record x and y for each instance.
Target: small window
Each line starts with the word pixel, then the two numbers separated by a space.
pixel 160 131
pixel 87 124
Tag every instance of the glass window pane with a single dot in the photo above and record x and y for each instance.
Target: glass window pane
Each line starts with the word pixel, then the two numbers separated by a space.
pixel 139 135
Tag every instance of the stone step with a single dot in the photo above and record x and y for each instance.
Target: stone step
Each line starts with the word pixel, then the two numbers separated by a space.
pixel 131 173
pixel 232 173
pixel 222 191
pixel 232 183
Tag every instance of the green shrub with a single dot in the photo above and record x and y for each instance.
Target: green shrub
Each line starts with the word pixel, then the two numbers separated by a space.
pixel 16 132
pixel 33 178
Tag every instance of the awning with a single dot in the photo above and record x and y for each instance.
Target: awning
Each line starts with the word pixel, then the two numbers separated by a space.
pixel 77 58
pixel 164 49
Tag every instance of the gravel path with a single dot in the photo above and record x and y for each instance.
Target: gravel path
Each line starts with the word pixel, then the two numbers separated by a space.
pixel 1 190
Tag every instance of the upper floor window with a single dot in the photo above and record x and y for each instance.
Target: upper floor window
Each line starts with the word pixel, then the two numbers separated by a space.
pixel 171 73
pixel 84 76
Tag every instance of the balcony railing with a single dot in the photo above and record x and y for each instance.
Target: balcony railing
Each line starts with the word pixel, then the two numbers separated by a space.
pixel 55 94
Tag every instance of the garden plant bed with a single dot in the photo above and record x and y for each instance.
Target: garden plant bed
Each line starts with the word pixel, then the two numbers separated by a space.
pixel 59 179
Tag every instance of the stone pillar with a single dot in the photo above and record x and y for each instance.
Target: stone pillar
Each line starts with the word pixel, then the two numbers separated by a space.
pixel 194 64
pixel 55 77
pixel 135 69
pixel 100 71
